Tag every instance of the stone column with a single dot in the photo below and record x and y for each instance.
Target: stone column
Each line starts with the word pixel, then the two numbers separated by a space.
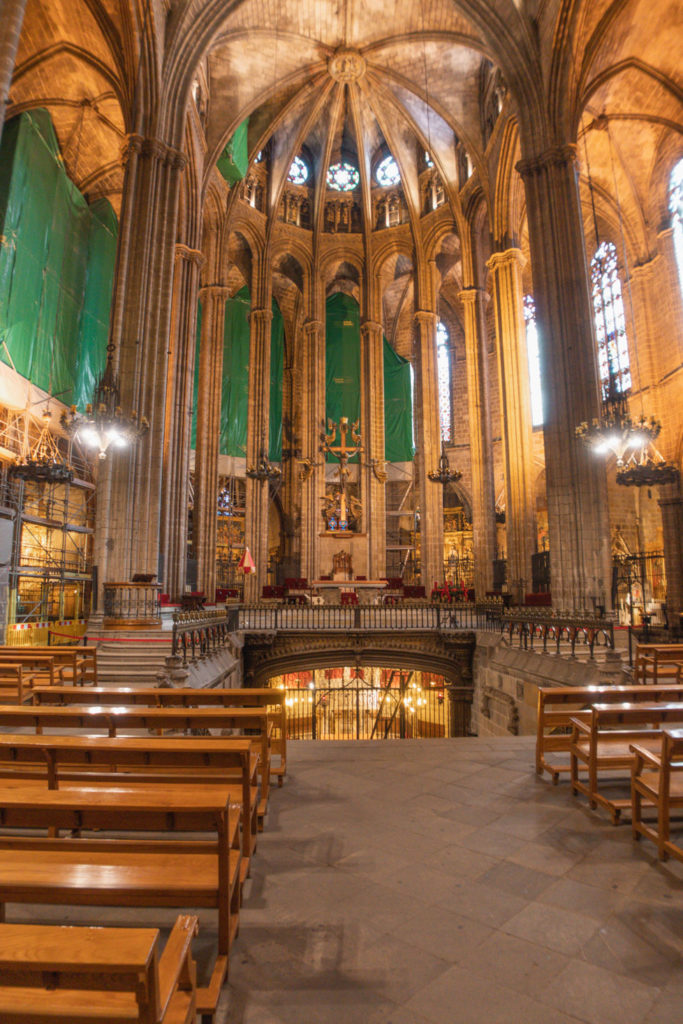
pixel 428 448
pixel 12 18
pixel 258 491
pixel 671 504
pixel 575 478
pixel 209 397
pixel 312 468
pixel 515 400
pixel 178 433
pixel 483 495
pixel 129 515
pixel 372 433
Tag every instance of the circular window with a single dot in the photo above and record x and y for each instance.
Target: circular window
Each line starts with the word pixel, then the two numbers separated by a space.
pixel 343 177
pixel 387 172
pixel 298 172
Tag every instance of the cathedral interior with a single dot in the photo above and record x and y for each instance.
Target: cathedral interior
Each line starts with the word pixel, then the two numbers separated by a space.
pixel 458 229
pixel 344 304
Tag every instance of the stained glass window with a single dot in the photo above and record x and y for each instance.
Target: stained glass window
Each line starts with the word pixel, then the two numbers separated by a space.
pixel 443 366
pixel 343 177
pixel 676 209
pixel 428 160
pixel 534 361
pixel 298 172
pixel 387 172
pixel 610 323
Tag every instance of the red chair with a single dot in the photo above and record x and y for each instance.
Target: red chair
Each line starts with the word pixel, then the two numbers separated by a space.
pixel 349 597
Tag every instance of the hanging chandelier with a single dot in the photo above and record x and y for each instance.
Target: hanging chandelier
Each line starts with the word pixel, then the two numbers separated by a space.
pixel 630 440
pixel 103 424
pixel 43 463
pixel 263 470
pixel 445 474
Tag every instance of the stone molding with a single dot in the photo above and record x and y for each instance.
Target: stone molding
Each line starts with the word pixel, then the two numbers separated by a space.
pixel 556 156
pixel 500 260
pixel 184 252
pixel 156 148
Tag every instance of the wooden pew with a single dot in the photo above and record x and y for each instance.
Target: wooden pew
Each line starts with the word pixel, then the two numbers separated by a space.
pixel 12 682
pixel 557 705
pixel 603 745
pixel 655 662
pixel 127 872
pixel 77 665
pixel 39 669
pixel 156 719
pixel 59 975
pixel 59 760
pixel 264 697
pixel 657 781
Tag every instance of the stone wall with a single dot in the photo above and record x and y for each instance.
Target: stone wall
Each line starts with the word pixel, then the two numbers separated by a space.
pixel 506 682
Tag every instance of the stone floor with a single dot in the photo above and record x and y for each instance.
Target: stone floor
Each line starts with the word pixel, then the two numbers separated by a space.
pixel 442 882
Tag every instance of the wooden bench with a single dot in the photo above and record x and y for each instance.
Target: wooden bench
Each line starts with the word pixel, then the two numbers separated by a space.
pixel 602 745
pixel 156 719
pixel 131 760
pixel 657 780
pixel 263 697
pixel 59 975
pixel 12 682
pixel 655 662
pixel 39 669
pixel 557 705
pixel 122 871
pixel 77 665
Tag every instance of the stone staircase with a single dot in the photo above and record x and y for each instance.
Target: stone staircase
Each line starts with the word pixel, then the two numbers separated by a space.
pixel 132 657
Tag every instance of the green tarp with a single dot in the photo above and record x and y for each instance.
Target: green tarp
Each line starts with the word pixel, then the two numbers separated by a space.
pixel 234 160
pixel 398 407
pixel 342 396
pixel 277 356
pixel 56 265
pixel 342 362
pixel 235 402
pixel 235 395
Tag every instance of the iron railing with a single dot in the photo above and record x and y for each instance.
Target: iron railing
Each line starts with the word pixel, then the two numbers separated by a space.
pixel 267 618
pixel 360 712
pixel 198 635
pixel 134 603
pixel 544 629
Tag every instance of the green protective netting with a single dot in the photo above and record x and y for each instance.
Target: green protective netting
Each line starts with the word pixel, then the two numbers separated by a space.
pixel 342 361
pixel 342 353
pixel 54 303
pixel 235 392
pixel 398 407
pixel 94 325
pixel 277 357
pixel 234 160
pixel 235 401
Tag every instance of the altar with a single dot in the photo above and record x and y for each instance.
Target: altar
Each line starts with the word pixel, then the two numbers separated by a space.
pixel 331 591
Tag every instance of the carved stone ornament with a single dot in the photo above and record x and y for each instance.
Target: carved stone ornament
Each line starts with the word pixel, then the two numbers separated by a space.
pixel 346 66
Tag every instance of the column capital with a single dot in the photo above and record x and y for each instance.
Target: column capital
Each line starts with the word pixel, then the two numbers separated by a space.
pixel 505 258
pixel 184 252
pixel 260 316
pixel 152 147
pixel 312 327
pixel 472 293
pixel 214 291
pixel 555 156
pixel 370 326
pixel 425 316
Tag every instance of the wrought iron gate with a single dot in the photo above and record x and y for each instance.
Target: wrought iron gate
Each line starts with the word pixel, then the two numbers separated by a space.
pixel 360 711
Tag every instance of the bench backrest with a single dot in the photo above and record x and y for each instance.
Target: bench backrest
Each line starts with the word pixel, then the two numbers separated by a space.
pixel 115 718
pixel 41 960
pixel 161 696
pixel 659 652
pixel 629 716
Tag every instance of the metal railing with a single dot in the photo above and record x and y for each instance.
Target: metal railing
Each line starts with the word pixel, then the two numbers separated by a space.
pixel 544 629
pixel 365 713
pixel 268 618
pixel 134 603
pixel 198 635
